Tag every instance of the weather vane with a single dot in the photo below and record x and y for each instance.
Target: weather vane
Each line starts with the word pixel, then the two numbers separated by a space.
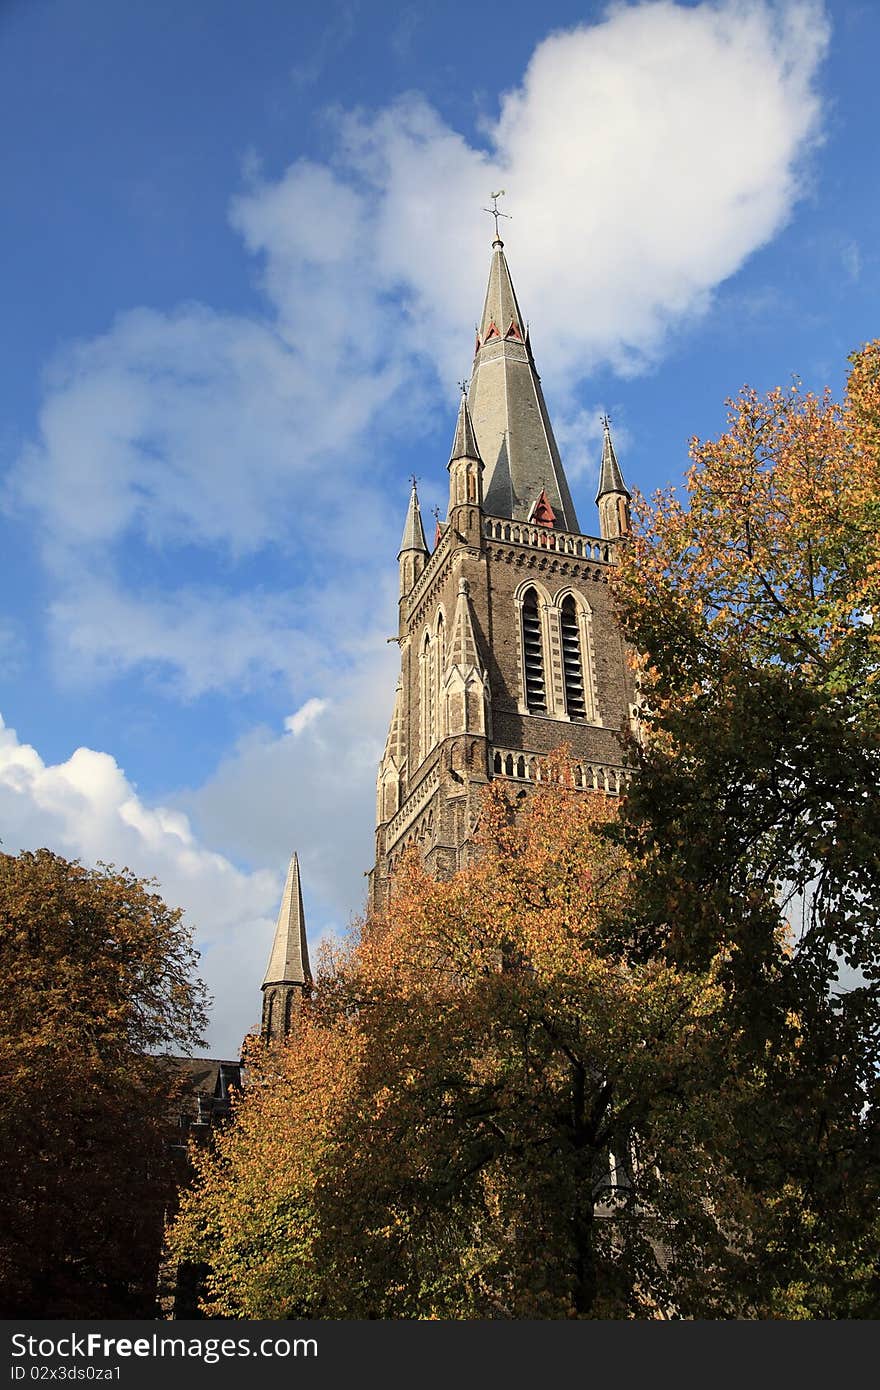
pixel 414 480
pixel 606 421
pixel 463 387
pixel 493 211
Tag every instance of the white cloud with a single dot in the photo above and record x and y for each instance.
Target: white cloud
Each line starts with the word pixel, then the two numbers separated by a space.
pixel 304 716
pixel 646 156
pixel 204 639
pixel 85 808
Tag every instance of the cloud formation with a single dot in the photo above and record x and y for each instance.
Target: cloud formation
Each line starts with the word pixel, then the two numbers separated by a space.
pixel 646 156
pixel 86 808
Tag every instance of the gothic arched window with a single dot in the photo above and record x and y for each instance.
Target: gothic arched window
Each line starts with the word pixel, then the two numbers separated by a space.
pixel 533 655
pixel 572 660
pixel 425 701
pixel 439 646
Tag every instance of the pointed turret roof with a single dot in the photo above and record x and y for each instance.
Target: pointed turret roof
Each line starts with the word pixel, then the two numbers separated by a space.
pixel 289 957
pixel 610 476
pixel 462 650
pixel 508 411
pixel 464 445
pixel 413 532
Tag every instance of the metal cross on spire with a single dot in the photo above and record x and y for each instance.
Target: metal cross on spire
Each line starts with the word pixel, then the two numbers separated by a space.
pixel 463 387
pixel 493 211
pixel 414 480
pixel 606 421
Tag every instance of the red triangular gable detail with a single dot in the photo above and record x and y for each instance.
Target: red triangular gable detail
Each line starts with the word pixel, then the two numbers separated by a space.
pixel 492 332
pixel 542 512
pixel 513 331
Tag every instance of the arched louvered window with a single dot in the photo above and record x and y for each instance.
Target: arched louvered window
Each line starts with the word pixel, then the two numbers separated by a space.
pixel 425 700
pixel 533 655
pixel 572 663
pixel 439 646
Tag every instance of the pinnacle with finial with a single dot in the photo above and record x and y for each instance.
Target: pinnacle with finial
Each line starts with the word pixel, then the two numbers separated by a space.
pixel 464 445
pixel 413 533
pixel 610 476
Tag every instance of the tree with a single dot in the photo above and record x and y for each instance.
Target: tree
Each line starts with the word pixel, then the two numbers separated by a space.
pixel 437 1139
pixel 95 977
pixel 755 607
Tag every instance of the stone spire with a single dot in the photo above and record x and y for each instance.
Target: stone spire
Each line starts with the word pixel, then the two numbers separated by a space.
pixel 413 551
pixel 288 975
pixel 508 411
pixel 612 498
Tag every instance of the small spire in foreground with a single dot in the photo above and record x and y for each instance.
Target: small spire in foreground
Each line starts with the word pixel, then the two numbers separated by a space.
pixel 288 975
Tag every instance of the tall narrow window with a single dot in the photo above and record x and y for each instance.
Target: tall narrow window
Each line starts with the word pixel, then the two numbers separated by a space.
pixel 572 664
pixel 439 646
pixel 425 695
pixel 533 655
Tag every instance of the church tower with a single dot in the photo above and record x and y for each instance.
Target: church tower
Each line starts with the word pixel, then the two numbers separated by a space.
pixel 508 641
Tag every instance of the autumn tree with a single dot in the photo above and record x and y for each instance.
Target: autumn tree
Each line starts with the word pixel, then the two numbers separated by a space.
pixel 469 1118
pixel 754 603
pixel 691 987
pixel 95 978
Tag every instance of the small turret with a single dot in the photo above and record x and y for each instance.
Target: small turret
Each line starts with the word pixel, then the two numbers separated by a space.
pixel 288 976
pixel 413 551
pixel 465 464
pixel 465 476
pixel 613 498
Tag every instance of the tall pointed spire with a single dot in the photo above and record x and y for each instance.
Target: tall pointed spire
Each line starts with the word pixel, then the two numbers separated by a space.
pixel 508 410
pixel 288 975
pixel 289 957
pixel 413 532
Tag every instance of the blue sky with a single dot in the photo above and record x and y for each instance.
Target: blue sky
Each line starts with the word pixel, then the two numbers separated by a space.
pixel 242 250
